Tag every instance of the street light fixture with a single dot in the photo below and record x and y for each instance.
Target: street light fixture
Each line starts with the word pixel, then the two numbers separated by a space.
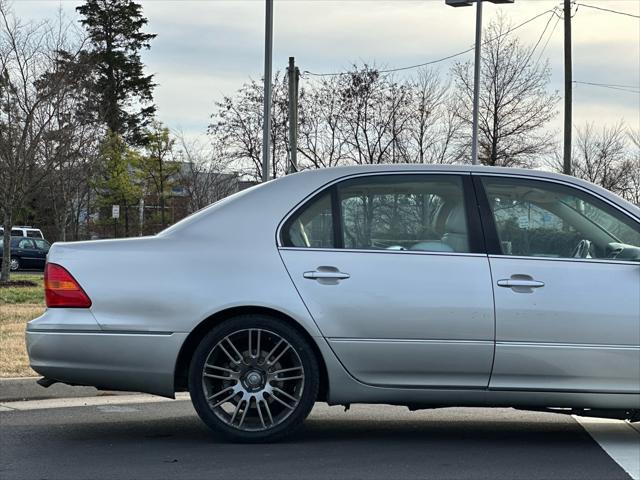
pixel 476 66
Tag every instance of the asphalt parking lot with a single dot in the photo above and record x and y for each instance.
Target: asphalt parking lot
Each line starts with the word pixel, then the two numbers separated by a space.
pixel 167 440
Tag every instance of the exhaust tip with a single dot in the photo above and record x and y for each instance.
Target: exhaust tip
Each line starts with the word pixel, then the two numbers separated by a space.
pixel 46 382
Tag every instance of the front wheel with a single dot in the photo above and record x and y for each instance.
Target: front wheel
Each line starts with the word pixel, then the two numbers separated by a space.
pixel 253 378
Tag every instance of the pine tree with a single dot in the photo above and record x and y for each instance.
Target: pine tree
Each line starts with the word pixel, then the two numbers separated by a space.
pixel 122 92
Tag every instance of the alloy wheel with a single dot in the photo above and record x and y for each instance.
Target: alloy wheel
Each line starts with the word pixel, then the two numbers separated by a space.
pixel 253 379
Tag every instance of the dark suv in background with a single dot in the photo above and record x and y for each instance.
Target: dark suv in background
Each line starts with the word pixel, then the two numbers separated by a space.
pixel 27 253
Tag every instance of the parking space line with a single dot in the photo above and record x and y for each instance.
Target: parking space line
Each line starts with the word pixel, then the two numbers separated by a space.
pixel 87 402
pixel 619 439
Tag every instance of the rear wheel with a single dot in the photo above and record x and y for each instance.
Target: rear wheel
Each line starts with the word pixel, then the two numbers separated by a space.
pixel 253 378
pixel 14 264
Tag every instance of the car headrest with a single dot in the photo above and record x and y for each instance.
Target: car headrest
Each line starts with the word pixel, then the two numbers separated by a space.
pixel 456 221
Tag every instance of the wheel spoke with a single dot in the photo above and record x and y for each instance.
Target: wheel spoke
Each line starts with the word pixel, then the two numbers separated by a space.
pixel 225 399
pixel 284 350
pixel 234 360
pixel 236 410
pixel 291 376
pixel 235 350
pixel 220 377
pixel 290 397
pixel 266 359
pixel 281 401
pixel 244 412
pixel 260 413
pixel 266 407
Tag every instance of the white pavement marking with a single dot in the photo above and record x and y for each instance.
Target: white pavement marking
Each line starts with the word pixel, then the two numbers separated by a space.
pixel 87 402
pixel 619 439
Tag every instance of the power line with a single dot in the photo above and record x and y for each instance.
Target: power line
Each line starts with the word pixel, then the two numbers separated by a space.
pixel 448 57
pixel 609 10
pixel 544 47
pixel 622 88
pixel 535 47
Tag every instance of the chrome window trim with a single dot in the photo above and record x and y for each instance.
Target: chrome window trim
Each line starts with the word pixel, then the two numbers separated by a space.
pixel 335 181
pixel 392 252
pixel 563 259
pixel 516 343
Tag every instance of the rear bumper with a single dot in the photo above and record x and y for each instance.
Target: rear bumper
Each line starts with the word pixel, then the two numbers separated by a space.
pixel 129 361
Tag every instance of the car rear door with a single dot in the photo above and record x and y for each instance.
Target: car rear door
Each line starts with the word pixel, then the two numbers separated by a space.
pixel 27 253
pixel 392 268
pixel 566 276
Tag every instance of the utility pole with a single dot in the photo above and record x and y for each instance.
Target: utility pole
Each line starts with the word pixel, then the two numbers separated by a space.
pixel 476 84
pixel 293 76
pixel 476 67
pixel 568 86
pixel 268 46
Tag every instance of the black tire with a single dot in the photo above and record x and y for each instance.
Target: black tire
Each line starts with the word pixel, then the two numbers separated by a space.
pixel 308 386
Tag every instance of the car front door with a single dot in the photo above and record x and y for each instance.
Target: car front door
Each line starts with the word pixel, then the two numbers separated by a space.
pixel 566 276
pixel 392 268
pixel 42 248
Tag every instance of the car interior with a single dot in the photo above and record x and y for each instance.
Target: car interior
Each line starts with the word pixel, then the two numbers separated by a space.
pixel 547 223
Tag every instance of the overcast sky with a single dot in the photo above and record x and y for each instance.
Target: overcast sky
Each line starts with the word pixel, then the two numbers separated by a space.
pixel 206 48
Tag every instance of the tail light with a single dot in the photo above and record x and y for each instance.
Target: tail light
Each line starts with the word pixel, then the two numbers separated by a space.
pixel 62 290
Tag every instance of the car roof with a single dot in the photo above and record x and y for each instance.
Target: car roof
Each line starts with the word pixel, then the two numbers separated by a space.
pixel 265 205
pixel 343 171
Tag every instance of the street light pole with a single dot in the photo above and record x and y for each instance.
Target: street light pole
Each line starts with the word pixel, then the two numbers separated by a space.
pixel 266 133
pixel 476 84
pixel 476 67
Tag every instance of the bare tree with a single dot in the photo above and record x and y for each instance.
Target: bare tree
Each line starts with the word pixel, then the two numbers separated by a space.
pixel 515 105
pixel 321 142
pixel 429 96
pixel 599 156
pixel 632 192
pixel 30 84
pixel 375 113
pixel 237 124
pixel 204 173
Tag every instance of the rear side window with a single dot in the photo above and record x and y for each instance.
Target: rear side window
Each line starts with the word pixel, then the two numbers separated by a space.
pixel 26 243
pixel 16 233
pixel 418 212
pixel 404 212
pixel 312 227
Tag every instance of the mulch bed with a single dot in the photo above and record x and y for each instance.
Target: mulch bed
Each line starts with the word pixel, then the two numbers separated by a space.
pixel 18 283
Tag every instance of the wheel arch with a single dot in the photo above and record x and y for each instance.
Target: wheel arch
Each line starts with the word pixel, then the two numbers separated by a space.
pixel 193 339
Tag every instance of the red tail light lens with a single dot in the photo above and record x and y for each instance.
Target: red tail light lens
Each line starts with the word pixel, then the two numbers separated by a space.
pixel 62 290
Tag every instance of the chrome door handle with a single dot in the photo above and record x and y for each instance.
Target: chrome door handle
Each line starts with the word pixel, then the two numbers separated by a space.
pixel 324 275
pixel 520 282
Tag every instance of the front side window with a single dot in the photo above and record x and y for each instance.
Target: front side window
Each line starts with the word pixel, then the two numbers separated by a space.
pixel 42 244
pixel 542 219
pixel 34 234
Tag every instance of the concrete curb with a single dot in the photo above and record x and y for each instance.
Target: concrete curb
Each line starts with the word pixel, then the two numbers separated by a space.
pixel 26 388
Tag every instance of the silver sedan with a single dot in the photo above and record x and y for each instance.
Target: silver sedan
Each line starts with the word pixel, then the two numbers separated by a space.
pixel 424 286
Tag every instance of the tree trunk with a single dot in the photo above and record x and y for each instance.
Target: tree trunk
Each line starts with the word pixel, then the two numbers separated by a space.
pixel 6 247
